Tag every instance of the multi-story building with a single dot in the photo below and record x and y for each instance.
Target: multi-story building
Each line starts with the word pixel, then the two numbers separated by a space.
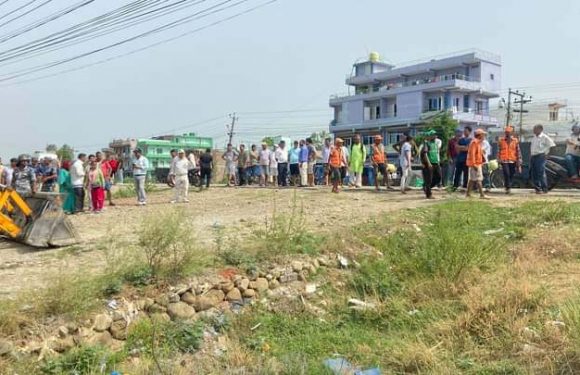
pixel 390 101
pixel 123 148
pixel 158 149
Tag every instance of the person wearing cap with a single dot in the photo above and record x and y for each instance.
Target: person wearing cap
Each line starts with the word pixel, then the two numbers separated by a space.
pixel 140 167
pixel 573 152
pixel 539 148
pixel 474 162
pixel 461 169
pixel 231 159
pixel 336 160
pixel 180 167
pixel 358 156
pixel 24 177
pixel 510 157
pixel 379 162
pixel 430 160
pixel 452 153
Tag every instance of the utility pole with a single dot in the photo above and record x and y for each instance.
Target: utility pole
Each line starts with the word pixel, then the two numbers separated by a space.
pixel 230 127
pixel 522 100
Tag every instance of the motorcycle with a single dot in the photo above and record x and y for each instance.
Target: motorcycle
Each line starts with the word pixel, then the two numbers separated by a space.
pixel 556 173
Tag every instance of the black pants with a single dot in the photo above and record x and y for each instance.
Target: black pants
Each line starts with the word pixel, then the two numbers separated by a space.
pixel 460 169
pixel 509 170
pixel 436 175
pixel 243 176
pixel 79 199
pixel 427 181
pixel 282 174
pixel 205 175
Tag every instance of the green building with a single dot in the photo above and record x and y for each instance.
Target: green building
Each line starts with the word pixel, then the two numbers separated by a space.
pixel 158 149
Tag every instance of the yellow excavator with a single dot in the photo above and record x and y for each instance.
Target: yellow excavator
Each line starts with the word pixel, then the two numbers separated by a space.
pixel 36 220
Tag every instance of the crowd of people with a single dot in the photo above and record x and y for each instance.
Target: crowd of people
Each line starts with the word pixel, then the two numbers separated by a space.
pixel 468 158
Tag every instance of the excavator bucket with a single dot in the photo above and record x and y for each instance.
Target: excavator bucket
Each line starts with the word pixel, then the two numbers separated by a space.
pixel 37 221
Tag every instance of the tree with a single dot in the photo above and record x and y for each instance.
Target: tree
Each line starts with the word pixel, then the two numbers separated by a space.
pixel 52 148
pixel 319 137
pixel 269 141
pixel 445 127
pixel 66 152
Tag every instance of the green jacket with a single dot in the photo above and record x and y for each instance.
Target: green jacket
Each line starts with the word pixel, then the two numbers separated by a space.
pixel 358 156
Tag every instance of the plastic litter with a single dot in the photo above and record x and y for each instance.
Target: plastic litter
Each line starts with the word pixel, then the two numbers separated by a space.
pixel 340 366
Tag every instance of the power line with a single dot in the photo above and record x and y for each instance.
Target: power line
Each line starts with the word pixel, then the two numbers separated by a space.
pixel 25 13
pixel 17 9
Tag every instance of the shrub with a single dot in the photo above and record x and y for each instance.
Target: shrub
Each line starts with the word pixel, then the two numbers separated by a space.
pixel 155 336
pixel 83 360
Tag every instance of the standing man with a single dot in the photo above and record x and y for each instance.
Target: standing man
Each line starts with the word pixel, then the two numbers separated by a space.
pixel 379 161
pixel 282 158
pixel 180 167
pixel 434 156
pixel 303 164
pixel 311 161
pixel 427 167
pixel 231 159
pixel 140 168
pixel 273 179
pixel 106 168
pixel 113 163
pixel 206 168
pixel 47 174
pixel 405 163
pixel 264 159
pixel 336 161
pixel 540 147
pixel 325 157
pixel 77 176
pixel 475 160
pixel 510 157
pixel 486 147
pixel 358 156
pixel 255 170
pixel 8 172
pixel 243 163
pixel 461 169
pixel 573 152
pixel 452 153
pixel 24 177
pixel 294 160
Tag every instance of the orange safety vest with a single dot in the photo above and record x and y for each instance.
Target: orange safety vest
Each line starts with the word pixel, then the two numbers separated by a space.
pixel 474 154
pixel 508 151
pixel 335 159
pixel 378 154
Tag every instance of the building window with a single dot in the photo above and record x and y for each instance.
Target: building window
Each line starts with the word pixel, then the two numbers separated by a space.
pixel 395 110
pixel 554 115
pixel 456 104
pixel 159 151
pixel 394 138
pixel 372 111
pixel 434 104
pixel 492 76
pixel 465 103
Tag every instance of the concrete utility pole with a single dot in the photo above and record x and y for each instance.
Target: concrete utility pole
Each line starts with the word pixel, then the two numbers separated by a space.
pixel 521 111
pixel 230 127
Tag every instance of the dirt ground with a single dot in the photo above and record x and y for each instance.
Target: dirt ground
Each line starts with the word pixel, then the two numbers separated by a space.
pixel 22 267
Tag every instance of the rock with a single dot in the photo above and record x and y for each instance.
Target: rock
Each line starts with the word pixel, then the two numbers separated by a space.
pixel 6 347
pixel 64 344
pixel 310 288
pixel 274 284
pixel 209 300
pixel 62 332
pixel 162 317
pixel 101 338
pixel 530 334
pixel 118 315
pixel 234 295
pixel 316 263
pixel 162 300
pixel 156 308
pixel 342 262
pixel 356 304
pixel 312 269
pixel 249 293
pixel 243 284
pixel 72 327
pixel 119 329
pixel 173 297
pixel 180 311
pixel 188 298
pixel 324 262
pixel 303 275
pixel 182 289
pixel 144 304
pixel 288 277
pixel 269 277
pixel 260 285
pixel 532 350
pixel 102 322
pixel 297 266
pixel 556 323
pixel 226 286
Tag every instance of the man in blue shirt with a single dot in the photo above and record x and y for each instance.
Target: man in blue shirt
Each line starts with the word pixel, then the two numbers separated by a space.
pixel 47 174
pixel 294 160
pixel 304 158
pixel 461 170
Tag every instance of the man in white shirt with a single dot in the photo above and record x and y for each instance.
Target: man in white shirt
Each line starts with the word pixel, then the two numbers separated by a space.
pixel 282 158
pixel 140 168
pixel 540 147
pixel 405 162
pixel 77 177
pixel 8 172
pixel 325 157
pixel 180 167
pixel 273 178
pixel 264 160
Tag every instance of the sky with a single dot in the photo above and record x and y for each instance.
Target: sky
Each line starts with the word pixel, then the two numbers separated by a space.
pixel 287 57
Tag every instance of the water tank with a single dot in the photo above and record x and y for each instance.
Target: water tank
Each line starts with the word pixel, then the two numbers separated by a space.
pixel 374 57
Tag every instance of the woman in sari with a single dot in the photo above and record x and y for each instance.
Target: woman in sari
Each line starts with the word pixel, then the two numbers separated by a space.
pixel 66 188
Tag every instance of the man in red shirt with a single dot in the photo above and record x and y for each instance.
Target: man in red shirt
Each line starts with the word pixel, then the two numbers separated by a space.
pixel 451 155
pixel 108 173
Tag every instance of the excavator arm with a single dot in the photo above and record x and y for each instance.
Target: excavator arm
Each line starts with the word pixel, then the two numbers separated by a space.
pixel 10 201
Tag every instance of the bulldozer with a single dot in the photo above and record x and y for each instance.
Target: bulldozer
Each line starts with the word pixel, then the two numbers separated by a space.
pixel 37 220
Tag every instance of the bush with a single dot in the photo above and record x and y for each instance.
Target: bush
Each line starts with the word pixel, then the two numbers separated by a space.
pixel 155 336
pixel 83 360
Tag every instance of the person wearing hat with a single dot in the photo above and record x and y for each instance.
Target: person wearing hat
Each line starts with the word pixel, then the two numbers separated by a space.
pixel 180 167
pixel 452 153
pixel 24 177
pixel 140 167
pixel 510 157
pixel 379 162
pixel 336 160
pixel 429 152
pixel 475 160
pixel 573 152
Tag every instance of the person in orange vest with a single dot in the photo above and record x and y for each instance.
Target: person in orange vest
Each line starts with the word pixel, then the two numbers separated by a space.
pixel 475 160
pixel 510 157
pixel 379 162
pixel 336 160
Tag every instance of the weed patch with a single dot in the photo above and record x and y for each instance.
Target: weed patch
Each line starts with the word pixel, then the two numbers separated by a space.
pixel 83 361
